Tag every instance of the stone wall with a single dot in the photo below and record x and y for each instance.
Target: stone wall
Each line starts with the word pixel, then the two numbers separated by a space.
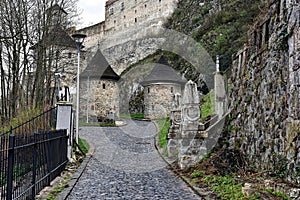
pixel 98 98
pixel 265 95
pixel 94 34
pixel 120 15
pixel 158 100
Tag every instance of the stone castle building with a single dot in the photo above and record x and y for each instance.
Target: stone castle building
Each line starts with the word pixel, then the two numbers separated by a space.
pixel 123 39
pixel 159 89
pixel 121 16
pixel 99 92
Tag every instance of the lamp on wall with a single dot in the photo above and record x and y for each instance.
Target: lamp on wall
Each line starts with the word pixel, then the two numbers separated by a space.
pixel 79 39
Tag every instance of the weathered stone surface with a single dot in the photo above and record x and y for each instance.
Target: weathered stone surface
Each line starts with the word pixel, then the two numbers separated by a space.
pixel 98 98
pixel 265 97
pixel 191 148
pixel 220 95
pixel 158 100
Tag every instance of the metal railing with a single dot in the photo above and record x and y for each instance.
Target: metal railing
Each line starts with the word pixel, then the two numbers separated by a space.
pixel 29 162
pixel 31 156
pixel 43 121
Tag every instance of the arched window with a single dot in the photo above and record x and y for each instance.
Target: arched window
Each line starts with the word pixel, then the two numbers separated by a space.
pixel 103 86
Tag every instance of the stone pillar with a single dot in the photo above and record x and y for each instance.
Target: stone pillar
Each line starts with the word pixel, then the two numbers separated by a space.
pixel 220 93
pixel 191 148
pixel 64 119
pixel 174 130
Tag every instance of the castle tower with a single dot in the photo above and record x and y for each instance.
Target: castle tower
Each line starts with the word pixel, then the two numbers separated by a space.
pixel 160 87
pixel 99 90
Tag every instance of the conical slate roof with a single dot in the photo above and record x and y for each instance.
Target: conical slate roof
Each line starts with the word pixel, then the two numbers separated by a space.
pixel 162 73
pixel 98 68
pixel 57 37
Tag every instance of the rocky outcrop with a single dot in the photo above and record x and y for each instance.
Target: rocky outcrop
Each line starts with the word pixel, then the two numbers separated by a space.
pixel 265 92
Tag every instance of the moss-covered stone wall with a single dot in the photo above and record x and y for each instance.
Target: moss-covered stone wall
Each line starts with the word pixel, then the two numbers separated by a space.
pixel 265 93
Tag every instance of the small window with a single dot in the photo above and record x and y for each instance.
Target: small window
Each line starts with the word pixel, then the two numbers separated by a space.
pixel 148 90
pixel 135 20
pixel 111 11
pixel 115 21
pixel 122 6
pixel 172 90
pixel 145 5
pixel 159 1
pixel 135 11
pixel 124 17
pixel 103 86
pixel 69 55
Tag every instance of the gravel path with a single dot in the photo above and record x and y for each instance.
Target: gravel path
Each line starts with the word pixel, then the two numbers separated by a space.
pixel 126 165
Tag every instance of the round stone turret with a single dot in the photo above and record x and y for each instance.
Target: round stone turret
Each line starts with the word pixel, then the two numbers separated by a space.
pixel 99 91
pixel 159 89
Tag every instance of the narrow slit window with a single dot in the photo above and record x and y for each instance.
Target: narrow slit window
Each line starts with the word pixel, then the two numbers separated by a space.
pixel 122 6
pixel 103 86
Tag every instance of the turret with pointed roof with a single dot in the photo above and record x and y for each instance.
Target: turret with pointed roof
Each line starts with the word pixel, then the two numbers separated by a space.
pixel 162 73
pixel 98 68
pixel 160 87
pixel 99 90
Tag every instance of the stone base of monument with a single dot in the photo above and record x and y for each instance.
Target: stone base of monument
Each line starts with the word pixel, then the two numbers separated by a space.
pixel 191 151
pixel 172 148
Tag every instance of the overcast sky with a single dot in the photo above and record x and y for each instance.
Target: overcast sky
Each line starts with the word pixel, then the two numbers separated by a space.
pixel 92 12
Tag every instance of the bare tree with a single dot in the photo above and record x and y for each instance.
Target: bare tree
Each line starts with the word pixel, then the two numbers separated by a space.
pixel 29 53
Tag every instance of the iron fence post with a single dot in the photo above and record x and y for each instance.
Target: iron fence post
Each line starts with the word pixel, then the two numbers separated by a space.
pixel 10 171
pixel 34 166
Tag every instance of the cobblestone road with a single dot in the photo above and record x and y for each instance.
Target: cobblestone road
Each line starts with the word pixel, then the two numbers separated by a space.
pixel 126 165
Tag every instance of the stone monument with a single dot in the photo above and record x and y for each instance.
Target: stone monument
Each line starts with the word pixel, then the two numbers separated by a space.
pixel 191 143
pixel 220 92
pixel 174 130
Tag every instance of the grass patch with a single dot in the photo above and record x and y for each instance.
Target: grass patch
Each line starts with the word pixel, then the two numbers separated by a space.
pixel 275 193
pixel 208 105
pixel 59 188
pixel 227 187
pixel 88 124
pixel 132 116
pixel 22 118
pixel 163 125
pixel 84 145
pixel 197 174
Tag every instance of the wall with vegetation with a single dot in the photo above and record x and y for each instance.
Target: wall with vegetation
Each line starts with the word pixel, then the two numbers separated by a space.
pixel 265 93
pixel 220 26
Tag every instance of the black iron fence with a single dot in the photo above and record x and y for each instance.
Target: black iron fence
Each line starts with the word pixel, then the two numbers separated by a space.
pixel 29 161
